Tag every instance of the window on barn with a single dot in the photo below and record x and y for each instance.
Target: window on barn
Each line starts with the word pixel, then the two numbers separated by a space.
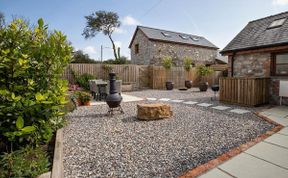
pixel 277 23
pixel 184 37
pixel 280 64
pixel 166 34
pixel 136 48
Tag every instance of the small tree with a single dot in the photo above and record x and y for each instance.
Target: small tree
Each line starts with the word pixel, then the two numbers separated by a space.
pixel 80 57
pixel 102 21
pixel 203 71
pixel 187 63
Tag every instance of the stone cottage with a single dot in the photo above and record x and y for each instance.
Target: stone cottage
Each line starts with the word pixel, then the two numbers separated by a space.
pixel 261 50
pixel 149 45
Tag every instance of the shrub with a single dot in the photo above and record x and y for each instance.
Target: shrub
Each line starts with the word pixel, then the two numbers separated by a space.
pixel 203 71
pixel 83 80
pixel 25 162
pixel 187 63
pixel 32 93
pixel 167 62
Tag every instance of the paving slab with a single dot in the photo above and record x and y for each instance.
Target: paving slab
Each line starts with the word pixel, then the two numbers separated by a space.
pixel 221 108
pixel 247 166
pixel 279 120
pixel 152 99
pixel 164 99
pixel 284 131
pixel 270 153
pixel 190 102
pixel 215 173
pixel 279 111
pixel 278 139
pixel 240 111
pixel 205 104
pixel 176 101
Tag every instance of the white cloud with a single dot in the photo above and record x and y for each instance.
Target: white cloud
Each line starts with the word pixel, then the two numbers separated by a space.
pixel 120 31
pixel 90 50
pixel 130 21
pixel 280 2
pixel 118 44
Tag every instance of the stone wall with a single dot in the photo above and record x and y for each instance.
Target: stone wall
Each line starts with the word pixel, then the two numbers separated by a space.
pixel 252 65
pixel 142 58
pixel 151 52
pixel 257 65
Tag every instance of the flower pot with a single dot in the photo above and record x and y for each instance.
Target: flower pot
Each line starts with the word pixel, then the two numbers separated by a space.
pixel 87 103
pixel 79 102
pixel 203 86
pixel 188 84
pixel 169 85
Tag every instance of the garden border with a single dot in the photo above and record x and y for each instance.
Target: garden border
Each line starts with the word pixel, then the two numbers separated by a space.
pixel 197 171
pixel 57 167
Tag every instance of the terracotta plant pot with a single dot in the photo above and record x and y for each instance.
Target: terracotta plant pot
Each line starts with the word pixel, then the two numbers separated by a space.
pixel 203 86
pixel 169 85
pixel 79 102
pixel 87 103
pixel 188 84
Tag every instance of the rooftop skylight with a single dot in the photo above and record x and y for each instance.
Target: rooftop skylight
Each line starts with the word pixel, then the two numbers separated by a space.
pixel 277 23
pixel 166 34
pixel 184 37
pixel 194 38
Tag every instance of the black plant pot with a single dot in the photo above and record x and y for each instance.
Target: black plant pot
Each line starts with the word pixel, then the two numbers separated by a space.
pixel 169 85
pixel 188 84
pixel 203 86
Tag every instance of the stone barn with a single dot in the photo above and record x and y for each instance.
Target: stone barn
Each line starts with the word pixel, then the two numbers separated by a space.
pixel 261 50
pixel 149 45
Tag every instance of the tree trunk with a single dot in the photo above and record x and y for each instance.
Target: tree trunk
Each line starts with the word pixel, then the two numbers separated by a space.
pixel 114 48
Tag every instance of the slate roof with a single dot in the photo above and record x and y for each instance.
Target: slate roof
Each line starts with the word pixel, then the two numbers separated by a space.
pixel 157 35
pixel 257 34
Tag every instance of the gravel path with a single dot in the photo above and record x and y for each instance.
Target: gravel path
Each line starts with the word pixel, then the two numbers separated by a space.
pixel 122 146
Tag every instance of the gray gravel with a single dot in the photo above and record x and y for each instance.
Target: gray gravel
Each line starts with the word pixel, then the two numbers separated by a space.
pixel 122 146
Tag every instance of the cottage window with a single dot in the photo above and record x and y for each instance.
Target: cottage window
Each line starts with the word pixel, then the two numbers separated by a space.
pixel 136 48
pixel 280 64
pixel 277 23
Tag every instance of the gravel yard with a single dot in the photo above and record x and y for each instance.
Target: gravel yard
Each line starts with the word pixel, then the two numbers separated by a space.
pixel 122 146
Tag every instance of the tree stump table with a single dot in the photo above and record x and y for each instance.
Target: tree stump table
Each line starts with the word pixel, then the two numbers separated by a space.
pixel 153 111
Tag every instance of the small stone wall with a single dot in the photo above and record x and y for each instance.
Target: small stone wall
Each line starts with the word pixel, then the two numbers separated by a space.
pixel 252 65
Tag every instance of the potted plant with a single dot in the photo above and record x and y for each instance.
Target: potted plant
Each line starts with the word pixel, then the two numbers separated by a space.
pixel 82 98
pixel 203 71
pixel 167 64
pixel 187 66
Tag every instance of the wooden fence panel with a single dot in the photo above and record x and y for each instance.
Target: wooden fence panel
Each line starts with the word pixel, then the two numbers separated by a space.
pixel 244 91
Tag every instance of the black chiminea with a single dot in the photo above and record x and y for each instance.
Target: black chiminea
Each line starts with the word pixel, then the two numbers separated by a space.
pixel 113 99
pixel 215 88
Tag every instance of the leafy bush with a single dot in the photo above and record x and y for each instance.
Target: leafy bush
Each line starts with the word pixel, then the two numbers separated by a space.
pixel 32 93
pixel 203 71
pixel 167 62
pixel 83 80
pixel 121 60
pixel 83 96
pixel 25 162
pixel 187 63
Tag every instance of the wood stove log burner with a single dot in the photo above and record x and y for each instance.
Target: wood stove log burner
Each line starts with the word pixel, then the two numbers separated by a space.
pixel 114 99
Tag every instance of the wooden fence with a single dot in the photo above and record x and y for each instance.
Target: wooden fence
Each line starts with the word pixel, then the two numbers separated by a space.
pixel 178 75
pixel 244 91
pixel 144 76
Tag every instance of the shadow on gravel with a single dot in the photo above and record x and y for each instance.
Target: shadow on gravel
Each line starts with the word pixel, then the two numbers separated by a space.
pixel 100 115
pixel 131 120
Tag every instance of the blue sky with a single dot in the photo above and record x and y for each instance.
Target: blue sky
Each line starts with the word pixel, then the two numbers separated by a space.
pixel 217 20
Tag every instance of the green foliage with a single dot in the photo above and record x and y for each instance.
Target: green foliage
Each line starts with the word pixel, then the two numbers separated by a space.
pixel 167 62
pixel 84 97
pixel 187 63
pixel 25 162
pixel 202 70
pixel 80 57
pixel 105 22
pixel 107 68
pixel 83 80
pixel 122 60
pixel 32 93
